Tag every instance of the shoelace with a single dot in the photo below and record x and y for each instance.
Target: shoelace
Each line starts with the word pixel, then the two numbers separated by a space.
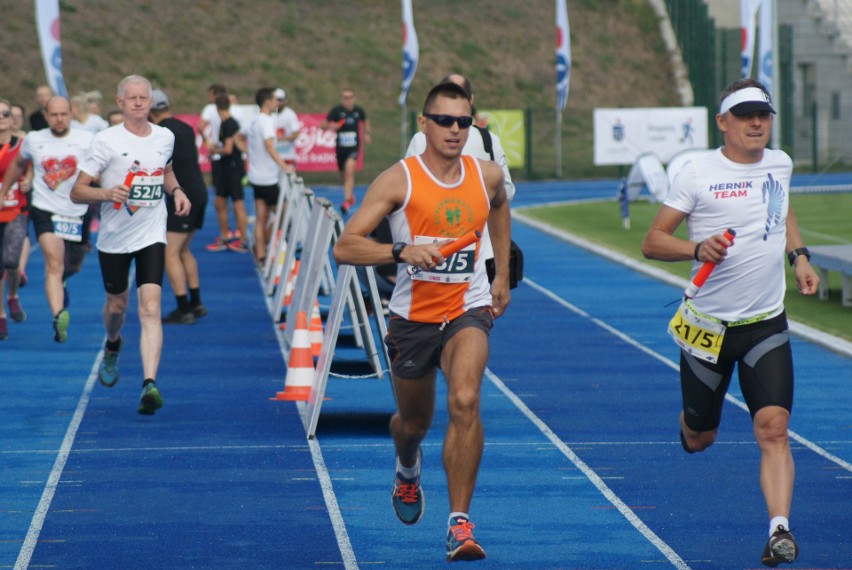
pixel 407 492
pixel 462 531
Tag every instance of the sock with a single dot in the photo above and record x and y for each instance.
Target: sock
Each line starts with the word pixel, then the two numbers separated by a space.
pixel 408 472
pixel 453 515
pixel 195 296
pixel 148 381
pixel 113 345
pixel 183 303
pixel 773 524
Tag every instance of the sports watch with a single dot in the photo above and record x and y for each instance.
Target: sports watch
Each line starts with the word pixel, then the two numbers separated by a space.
pixel 397 250
pixel 791 257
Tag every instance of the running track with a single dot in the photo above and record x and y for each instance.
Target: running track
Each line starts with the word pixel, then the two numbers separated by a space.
pixel 582 467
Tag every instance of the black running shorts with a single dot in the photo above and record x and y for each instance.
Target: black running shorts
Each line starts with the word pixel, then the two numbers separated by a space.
pixel 150 265
pixel 762 355
pixel 415 348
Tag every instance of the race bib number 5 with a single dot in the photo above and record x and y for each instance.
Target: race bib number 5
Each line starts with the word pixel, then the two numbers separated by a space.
pixel 457 267
pixel 697 335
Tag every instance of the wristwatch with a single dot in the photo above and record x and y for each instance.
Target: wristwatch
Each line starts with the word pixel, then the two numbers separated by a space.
pixel 791 257
pixel 397 250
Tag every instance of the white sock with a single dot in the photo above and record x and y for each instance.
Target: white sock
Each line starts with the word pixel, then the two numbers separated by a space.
pixel 408 472
pixel 455 514
pixel 773 524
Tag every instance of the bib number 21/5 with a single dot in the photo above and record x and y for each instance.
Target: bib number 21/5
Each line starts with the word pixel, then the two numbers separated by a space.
pixel 697 335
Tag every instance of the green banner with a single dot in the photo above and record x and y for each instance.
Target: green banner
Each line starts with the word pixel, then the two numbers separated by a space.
pixel 509 126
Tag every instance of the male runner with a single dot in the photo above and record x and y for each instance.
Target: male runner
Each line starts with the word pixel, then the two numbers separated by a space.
pixel 737 317
pixel 62 227
pixel 442 312
pixel 134 231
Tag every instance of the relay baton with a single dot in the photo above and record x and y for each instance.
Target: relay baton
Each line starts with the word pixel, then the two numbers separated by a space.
pixel 128 180
pixel 457 245
pixel 704 272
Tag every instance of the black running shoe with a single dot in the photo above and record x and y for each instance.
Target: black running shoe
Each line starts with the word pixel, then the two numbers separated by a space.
pixel 781 547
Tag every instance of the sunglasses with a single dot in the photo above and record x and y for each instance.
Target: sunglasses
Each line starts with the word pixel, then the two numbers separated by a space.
pixel 5 114
pixel 448 120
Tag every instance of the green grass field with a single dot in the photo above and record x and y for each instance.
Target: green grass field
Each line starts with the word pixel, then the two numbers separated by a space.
pixel 823 220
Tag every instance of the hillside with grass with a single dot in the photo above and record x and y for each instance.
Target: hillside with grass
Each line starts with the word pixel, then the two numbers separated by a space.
pixel 314 48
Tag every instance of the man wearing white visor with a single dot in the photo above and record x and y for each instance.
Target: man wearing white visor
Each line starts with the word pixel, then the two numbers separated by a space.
pixel 738 313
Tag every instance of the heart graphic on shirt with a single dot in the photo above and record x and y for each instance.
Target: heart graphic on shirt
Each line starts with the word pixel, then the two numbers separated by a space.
pixel 58 170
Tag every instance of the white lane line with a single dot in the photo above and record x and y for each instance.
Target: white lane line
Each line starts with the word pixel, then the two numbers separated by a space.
pixel 350 562
pixel 590 474
pixel 37 522
pixel 793 435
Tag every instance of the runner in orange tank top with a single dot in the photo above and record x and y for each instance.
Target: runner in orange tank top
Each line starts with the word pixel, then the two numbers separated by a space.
pixel 442 309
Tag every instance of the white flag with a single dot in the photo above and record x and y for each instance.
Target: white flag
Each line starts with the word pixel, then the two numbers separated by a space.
pixel 410 50
pixel 766 49
pixel 47 22
pixel 748 13
pixel 563 54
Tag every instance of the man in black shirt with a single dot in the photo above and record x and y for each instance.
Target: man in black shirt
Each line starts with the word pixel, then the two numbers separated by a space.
pixel 181 266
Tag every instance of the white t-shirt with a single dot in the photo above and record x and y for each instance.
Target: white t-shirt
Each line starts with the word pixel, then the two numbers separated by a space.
pixel 262 169
pixel 55 162
pixel 753 200
pixel 210 115
pixel 142 220
pixel 475 146
pixel 94 124
pixel 286 123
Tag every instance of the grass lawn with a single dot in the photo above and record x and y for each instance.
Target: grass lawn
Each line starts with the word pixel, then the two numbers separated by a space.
pixel 823 220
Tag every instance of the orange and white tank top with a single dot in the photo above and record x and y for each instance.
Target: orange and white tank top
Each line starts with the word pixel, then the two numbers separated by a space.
pixel 434 211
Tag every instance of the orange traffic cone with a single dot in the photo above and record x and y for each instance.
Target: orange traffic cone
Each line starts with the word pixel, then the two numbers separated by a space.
pixel 300 365
pixel 291 280
pixel 315 330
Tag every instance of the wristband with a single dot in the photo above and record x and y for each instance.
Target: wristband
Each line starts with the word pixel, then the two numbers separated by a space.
pixel 397 251
pixel 697 247
pixel 791 257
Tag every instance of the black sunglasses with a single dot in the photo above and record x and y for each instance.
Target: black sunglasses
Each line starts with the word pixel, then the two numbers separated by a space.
pixel 448 120
pixel 6 114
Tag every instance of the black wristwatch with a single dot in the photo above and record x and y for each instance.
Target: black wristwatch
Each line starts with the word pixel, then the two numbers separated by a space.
pixel 397 250
pixel 791 257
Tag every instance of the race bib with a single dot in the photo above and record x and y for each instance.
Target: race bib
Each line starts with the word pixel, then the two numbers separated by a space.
pixel 146 191
pixel 457 268
pixel 347 138
pixel 696 334
pixel 68 227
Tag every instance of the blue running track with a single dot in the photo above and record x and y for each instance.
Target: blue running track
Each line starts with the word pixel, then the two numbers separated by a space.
pixel 582 465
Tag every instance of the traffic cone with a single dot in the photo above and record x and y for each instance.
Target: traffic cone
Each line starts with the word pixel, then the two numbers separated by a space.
pixel 289 286
pixel 300 365
pixel 315 330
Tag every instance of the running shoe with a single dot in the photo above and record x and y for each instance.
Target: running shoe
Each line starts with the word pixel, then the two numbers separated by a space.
pixel 217 244
pixel 60 326
pixel 108 369
pixel 15 311
pixel 199 311
pixel 781 547
pixel 4 333
pixel 178 317
pixel 460 542
pixel 238 246
pixel 347 205
pixel 407 499
pixel 150 401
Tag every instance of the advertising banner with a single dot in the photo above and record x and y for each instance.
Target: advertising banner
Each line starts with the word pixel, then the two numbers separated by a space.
pixel 622 135
pixel 509 126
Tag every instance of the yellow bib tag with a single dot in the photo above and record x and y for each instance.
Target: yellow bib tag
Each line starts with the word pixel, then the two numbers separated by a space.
pixel 696 334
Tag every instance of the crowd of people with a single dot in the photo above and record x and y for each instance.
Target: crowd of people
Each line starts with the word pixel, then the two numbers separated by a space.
pixel 138 175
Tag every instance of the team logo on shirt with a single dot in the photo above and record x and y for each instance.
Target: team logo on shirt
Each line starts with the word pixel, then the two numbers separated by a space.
pixel 58 170
pixel 773 197
pixel 451 215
